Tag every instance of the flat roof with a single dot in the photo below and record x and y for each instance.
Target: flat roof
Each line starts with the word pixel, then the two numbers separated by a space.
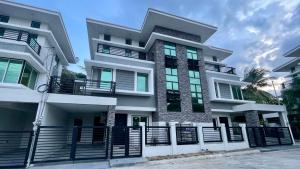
pixel 295 52
pixel 52 18
pixel 153 18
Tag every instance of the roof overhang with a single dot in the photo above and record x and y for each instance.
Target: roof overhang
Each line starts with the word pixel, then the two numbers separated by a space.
pixel 295 52
pixel 259 107
pixel 286 67
pixel 52 18
pixel 153 18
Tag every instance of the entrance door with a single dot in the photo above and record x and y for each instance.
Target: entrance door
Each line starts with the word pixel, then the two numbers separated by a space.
pixel 224 120
pixel 98 131
pixel 121 120
pixel 120 131
pixel 78 123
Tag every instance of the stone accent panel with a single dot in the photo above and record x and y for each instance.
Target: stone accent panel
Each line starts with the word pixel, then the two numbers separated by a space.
pixel 252 119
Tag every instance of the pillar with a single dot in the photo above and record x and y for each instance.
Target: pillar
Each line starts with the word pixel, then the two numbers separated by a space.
pixel 173 137
pixel 110 122
pixel 252 119
pixel 142 124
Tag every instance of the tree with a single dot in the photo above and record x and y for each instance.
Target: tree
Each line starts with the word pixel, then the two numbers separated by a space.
pixel 257 79
pixel 68 74
pixel 291 98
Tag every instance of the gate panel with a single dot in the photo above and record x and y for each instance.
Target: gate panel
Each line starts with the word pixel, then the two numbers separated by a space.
pixel 14 148
pixel 126 142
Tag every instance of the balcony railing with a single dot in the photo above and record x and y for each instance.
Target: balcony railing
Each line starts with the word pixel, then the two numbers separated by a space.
pixel 80 86
pixel 220 68
pixel 112 50
pixel 19 35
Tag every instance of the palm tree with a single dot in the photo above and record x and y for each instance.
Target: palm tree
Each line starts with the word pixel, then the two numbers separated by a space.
pixel 257 79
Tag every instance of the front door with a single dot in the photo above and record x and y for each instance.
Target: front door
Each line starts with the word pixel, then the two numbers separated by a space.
pixel 78 123
pixel 121 120
pixel 224 120
pixel 98 131
pixel 120 129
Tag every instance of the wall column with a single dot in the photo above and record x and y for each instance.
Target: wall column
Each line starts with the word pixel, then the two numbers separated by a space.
pixel 110 122
pixel 252 119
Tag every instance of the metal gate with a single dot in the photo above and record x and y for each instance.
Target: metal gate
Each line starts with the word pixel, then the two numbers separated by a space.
pixel 126 141
pixel 268 136
pixel 14 148
pixel 56 143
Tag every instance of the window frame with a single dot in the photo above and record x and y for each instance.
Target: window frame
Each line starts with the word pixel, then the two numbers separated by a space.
pixel 236 91
pixel 35 24
pixel 107 37
pixel 106 49
pixel 146 75
pixel 4 18
pixel 171 48
pixel 139 117
pixel 172 75
pixel 128 41
pixel 193 52
pixel 197 107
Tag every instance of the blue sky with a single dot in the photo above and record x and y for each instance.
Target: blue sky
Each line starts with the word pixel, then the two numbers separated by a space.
pixel 258 31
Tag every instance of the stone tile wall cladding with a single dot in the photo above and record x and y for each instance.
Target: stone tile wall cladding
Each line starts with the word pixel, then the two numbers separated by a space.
pixel 186 113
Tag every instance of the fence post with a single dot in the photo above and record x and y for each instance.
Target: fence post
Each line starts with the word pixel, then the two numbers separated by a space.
pixel 201 137
pixel 244 133
pixel 173 137
pixel 224 136
pixel 74 142
pixel 142 124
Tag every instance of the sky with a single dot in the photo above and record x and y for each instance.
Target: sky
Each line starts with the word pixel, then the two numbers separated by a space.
pixel 258 32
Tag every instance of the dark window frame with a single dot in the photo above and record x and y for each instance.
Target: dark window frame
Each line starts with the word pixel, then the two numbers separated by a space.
pixel 128 41
pixel 106 37
pixel 35 24
pixel 168 46
pixel 197 107
pixel 141 44
pixel 4 18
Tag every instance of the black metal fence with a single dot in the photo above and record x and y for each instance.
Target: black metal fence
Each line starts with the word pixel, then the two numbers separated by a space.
pixel 56 143
pixel 19 35
pixel 14 148
pixel 234 134
pixel 268 136
pixel 157 135
pixel 78 86
pixel 212 134
pixel 186 135
pixel 126 141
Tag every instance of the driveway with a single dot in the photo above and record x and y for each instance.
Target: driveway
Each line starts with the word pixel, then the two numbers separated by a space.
pixel 282 159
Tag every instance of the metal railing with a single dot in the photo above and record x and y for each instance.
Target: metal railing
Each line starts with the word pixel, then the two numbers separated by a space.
pixel 20 35
pixel 60 143
pixel 234 134
pixel 112 50
pixel 220 68
pixel 212 134
pixel 78 86
pixel 186 135
pixel 157 135
pixel 14 148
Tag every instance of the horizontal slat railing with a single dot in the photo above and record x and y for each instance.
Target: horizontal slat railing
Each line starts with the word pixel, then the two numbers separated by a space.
pixel 212 134
pixel 20 35
pixel 220 68
pixel 157 135
pixel 186 135
pixel 14 148
pixel 234 134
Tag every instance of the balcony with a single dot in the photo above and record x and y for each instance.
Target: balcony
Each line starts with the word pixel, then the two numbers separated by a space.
pixel 80 86
pixel 19 35
pixel 220 68
pixel 112 50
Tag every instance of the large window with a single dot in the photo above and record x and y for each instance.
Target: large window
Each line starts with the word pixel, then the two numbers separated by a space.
pixel 236 91
pixel 105 49
pixel 170 49
pixel 171 79
pixel 192 53
pixel 4 18
pixel 142 82
pixel 11 72
pixel 197 100
pixel 105 78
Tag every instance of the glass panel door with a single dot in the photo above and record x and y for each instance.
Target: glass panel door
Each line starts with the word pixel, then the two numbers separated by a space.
pixel 13 71
pixel 105 78
pixel 3 67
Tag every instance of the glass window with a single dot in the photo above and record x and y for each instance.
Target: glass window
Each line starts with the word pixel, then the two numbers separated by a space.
pixel 29 76
pixel 128 41
pixel 105 78
pixel 34 36
pixel 106 49
pixel 170 49
pixel 35 24
pixel 106 37
pixel 2 31
pixel 214 59
pixel 236 91
pixel 141 44
pixel 3 67
pixel 196 92
pixel 137 119
pixel 171 79
pixel 216 90
pixel 13 71
pixel 192 53
pixel 142 82
pixel 4 18
pixel 127 53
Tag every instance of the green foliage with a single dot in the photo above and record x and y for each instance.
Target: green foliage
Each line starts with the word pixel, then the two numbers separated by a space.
pixel 68 74
pixel 257 78
pixel 291 97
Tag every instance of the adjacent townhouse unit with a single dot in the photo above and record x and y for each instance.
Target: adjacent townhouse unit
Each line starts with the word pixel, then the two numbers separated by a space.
pixel 292 67
pixel 163 77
